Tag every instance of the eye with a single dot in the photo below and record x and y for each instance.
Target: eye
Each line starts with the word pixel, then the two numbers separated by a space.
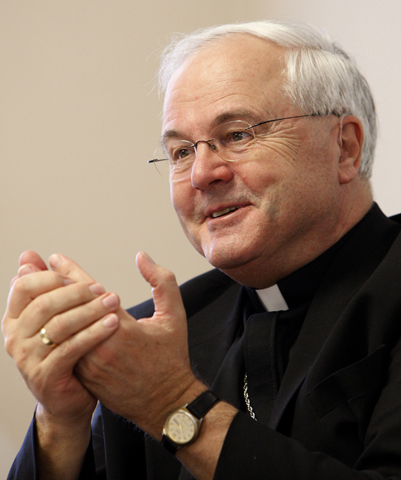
pixel 238 136
pixel 181 155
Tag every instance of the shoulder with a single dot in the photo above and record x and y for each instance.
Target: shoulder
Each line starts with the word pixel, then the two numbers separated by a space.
pixel 396 218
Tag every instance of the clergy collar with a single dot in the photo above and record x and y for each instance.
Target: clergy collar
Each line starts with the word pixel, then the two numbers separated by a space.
pixel 300 287
pixel 272 299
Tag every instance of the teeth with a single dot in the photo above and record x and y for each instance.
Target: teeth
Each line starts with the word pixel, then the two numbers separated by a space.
pixel 223 212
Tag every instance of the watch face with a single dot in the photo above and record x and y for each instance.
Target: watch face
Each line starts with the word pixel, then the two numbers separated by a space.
pixel 181 427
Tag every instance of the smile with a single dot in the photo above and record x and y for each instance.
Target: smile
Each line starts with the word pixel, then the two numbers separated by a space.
pixel 223 212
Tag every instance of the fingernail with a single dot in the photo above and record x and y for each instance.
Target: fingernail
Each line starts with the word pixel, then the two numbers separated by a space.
pixel 55 260
pixel 111 301
pixel 25 270
pixel 111 321
pixel 149 259
pixel 97 289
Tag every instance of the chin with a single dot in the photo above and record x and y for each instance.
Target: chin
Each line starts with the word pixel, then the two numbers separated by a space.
pixel 227 262
pixel 243 266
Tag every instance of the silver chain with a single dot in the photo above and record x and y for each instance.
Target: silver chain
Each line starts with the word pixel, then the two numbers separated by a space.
pixel 247 400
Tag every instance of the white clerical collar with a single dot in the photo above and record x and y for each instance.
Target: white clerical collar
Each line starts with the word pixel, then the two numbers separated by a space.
pixel 272 299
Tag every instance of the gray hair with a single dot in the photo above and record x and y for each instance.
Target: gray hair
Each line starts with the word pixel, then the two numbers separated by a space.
pixel 320 76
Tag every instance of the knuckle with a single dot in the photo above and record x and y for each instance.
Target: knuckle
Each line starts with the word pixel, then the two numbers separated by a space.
pixel 20 285
pixel 4 323
pixel 79 293
pixel 17 351
pixel 42 305
pixel 95 334
pixel 167 276
pixel 105 352
pixel 94 308
pixel 68 349
pixel 9 344
pixel 58 324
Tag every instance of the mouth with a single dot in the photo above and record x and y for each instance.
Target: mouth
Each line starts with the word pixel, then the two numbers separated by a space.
pixel 223 212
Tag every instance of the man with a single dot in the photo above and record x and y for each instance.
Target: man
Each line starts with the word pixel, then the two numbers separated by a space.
pixel 270 133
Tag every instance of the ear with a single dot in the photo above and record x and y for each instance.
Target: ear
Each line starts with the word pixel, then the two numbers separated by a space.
pixel 350 141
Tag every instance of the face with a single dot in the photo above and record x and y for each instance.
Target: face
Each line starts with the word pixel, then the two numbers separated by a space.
pixel 259 219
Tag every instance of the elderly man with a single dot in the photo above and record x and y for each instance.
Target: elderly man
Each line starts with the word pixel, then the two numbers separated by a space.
pixel 282 363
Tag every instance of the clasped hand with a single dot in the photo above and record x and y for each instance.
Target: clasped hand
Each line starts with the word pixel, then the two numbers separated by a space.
pixel 137 368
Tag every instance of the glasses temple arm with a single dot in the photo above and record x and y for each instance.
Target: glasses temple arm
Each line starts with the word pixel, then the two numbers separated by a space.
pixel 154 160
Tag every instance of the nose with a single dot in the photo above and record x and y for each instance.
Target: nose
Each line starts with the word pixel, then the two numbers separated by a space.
pixel 208 167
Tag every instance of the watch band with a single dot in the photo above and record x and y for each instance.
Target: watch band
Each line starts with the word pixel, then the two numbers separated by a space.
pixel 199 408
pixel 169 445
pixel 202 404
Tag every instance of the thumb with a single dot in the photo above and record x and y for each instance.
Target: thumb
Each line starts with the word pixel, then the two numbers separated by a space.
pixel 67 267
pixel 166 294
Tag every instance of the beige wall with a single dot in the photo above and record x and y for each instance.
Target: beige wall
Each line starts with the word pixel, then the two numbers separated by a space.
pixel 79 118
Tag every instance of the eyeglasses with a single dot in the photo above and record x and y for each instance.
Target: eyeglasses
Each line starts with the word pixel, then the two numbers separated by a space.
pixel 232 141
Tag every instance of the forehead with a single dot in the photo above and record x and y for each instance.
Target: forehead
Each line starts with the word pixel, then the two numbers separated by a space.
pixel 238 72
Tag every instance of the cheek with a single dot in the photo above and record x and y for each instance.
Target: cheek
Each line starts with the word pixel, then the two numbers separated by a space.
pixel 263 179
pixel 184 205
pixel 178 198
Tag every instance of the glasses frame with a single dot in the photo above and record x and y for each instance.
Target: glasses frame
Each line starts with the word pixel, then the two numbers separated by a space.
pixel 194 145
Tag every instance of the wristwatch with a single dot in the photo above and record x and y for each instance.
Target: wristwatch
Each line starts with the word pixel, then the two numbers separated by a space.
pixel 183 425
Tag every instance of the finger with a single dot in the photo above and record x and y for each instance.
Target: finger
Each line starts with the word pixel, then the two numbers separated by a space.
pixel 22 333
pixel 67 267
pixel 55 304
pixel 67 354
pixel 28 268
pixel 25 270
pixel 65 325
pixel 32 257
pixel 29 262
pixel 166 294
pixel 57 364
pixel 26 288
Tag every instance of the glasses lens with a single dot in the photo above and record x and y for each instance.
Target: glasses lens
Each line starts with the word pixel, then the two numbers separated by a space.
pixel 181 155
pixel 233 140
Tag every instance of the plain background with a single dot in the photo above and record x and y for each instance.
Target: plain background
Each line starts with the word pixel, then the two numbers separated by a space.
pixel 80 116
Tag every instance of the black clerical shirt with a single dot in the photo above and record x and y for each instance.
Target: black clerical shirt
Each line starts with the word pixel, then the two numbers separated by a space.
pixel 269 337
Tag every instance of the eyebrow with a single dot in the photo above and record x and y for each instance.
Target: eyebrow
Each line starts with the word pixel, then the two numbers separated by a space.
pixel 240 114
pixel 170 134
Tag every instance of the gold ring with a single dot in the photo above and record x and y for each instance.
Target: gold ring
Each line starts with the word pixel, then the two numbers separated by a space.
pixel 45 339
